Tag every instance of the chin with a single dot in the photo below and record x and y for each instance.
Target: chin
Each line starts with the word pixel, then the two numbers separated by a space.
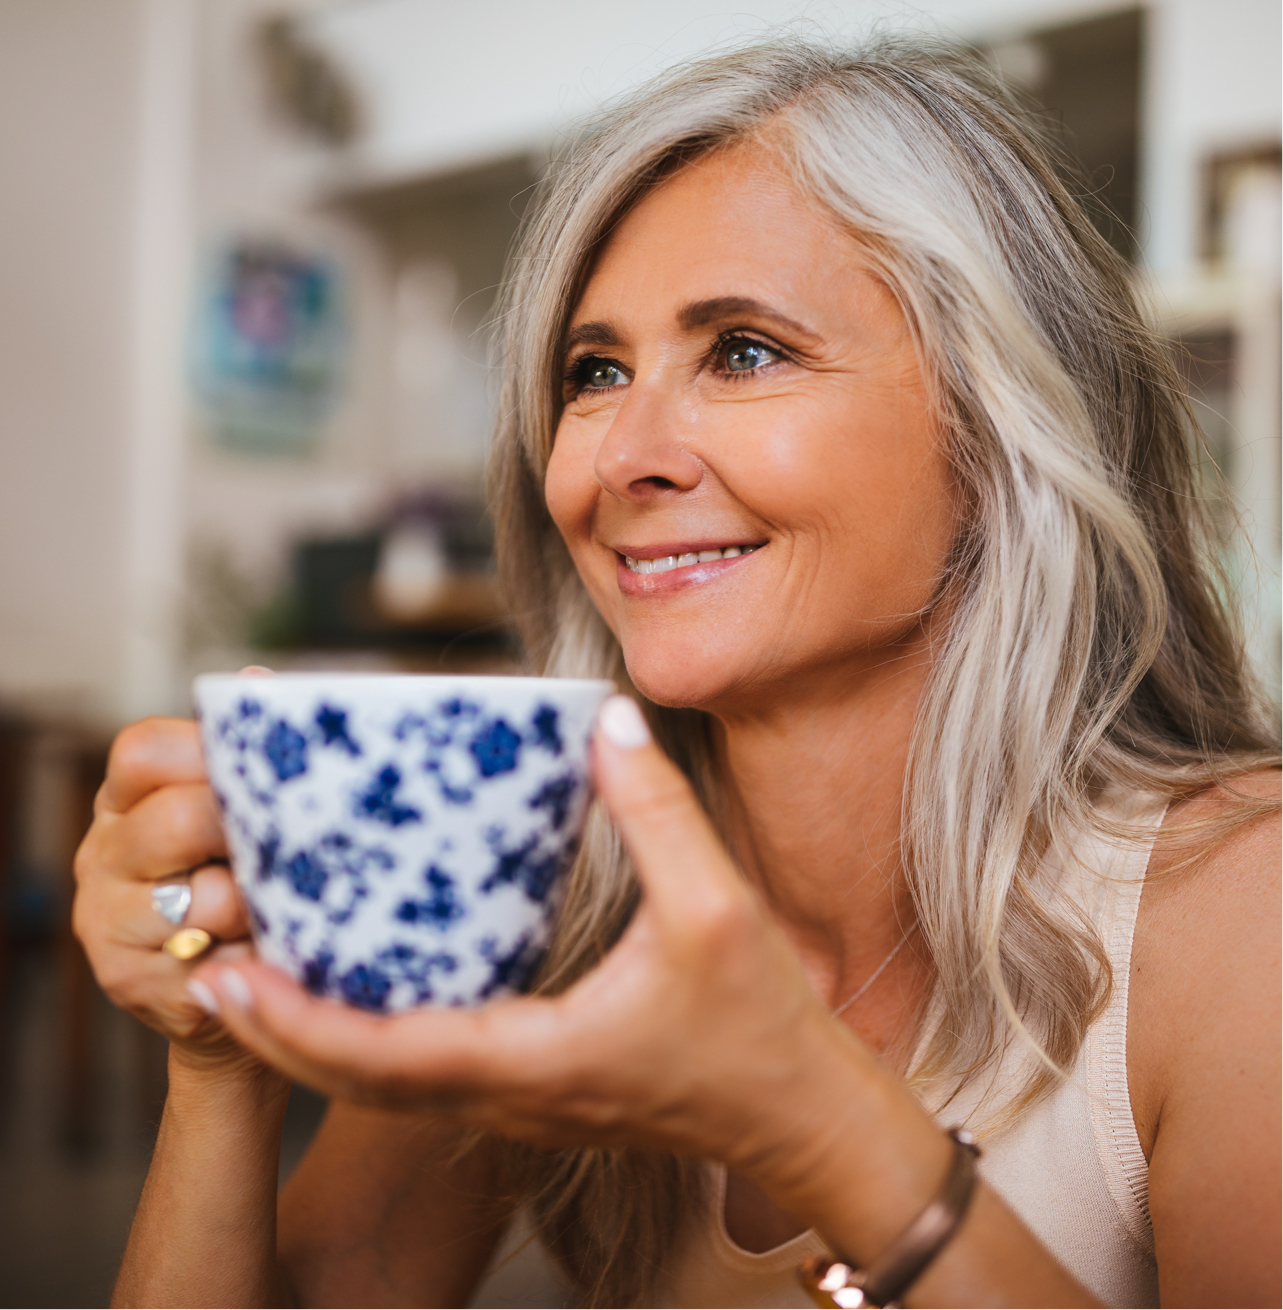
pixel 682 680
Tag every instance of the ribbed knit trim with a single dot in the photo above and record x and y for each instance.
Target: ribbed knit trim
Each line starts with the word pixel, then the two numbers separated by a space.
pixel 1122 1159
pixel 787 1256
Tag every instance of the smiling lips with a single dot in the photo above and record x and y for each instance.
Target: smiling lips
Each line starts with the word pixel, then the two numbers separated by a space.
pixel 667 563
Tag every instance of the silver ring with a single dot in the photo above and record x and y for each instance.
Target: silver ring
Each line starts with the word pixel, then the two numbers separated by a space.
pixel 172 900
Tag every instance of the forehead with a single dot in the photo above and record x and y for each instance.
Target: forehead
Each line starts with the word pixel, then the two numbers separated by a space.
pixel 730 224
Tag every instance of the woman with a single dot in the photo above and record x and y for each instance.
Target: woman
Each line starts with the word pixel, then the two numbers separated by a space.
pixel 832 430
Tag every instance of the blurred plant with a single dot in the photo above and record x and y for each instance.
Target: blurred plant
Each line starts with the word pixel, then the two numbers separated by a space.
pixel 306 85
pixel 277 624
pixel 227 608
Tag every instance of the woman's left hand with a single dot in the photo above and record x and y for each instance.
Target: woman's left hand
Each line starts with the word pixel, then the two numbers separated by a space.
pixel 698 1033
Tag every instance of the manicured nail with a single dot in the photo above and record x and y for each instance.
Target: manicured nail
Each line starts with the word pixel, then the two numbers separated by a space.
pixel 622 724
pixel 202 995
pixel 236 989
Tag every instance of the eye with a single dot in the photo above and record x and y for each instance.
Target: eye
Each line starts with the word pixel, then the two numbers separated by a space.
pixel 592 373
pixel 743 355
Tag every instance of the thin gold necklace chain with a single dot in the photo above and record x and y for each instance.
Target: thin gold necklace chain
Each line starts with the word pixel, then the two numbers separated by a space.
pixel 877 973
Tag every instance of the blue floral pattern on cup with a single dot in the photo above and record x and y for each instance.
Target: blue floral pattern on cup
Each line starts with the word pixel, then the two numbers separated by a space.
pixel 401 840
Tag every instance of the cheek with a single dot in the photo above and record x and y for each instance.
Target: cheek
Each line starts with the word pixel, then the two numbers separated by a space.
pixel 866 482
pixel 571 493
pixel 570 486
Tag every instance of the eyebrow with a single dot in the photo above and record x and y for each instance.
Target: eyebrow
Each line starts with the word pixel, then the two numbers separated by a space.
pixel 597 333
pixel 699 313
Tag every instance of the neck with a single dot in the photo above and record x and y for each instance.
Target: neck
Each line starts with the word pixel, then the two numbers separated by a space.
pixel 815 787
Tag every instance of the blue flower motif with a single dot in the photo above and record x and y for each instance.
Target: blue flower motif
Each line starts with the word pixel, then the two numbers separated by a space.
pixel 451 793
pixel 286 750
pixel 546 734
pixel 268 848
pixel 514 971
pixel 523 867
pixel 442 906
pixel 316 973
pixel 495 749
pixel 379 801
pixel 403 963
pixel 333 726
pixel 449 717
pixel 307 875
pixel 367 986
pixel 334 871
pixel 556 796
pixel 351 859
pixel 407 724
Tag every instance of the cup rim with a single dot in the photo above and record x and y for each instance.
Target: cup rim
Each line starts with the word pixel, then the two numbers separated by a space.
pixel 385 679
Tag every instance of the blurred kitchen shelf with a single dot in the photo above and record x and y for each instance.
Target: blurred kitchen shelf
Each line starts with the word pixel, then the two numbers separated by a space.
pixel 332 607
pixel 445 657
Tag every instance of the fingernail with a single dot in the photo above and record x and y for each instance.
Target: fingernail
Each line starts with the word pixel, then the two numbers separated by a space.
pixel 237 989
pixel 256 671
pixel 622 724
pixel 202 995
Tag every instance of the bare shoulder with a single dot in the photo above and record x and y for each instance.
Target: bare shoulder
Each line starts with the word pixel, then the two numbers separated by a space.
pixel 1205 962
pixel 1215 867
pixel 1203 1046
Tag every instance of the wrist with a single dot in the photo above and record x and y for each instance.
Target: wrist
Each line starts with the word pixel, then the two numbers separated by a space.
pixel 858 1157
pixel 228 1079
pixel 899 1267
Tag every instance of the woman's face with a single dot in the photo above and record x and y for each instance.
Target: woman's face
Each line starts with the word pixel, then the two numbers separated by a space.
pixel 747 470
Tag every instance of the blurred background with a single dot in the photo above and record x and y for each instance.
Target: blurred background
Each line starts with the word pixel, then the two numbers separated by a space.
pixel 247 253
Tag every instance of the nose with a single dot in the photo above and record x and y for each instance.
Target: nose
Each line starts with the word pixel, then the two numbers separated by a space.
pixel 642 457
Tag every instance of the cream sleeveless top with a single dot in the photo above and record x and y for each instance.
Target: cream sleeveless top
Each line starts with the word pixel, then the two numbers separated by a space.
pixel 1072 1167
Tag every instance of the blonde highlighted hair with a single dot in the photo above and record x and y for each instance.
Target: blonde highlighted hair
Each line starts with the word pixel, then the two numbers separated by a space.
pixel 1089 648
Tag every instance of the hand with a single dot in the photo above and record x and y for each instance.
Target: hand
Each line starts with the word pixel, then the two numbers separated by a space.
pixel 154 818
pixel 699 1032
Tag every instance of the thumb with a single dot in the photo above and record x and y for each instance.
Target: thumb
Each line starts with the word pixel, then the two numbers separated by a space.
pixel 677 854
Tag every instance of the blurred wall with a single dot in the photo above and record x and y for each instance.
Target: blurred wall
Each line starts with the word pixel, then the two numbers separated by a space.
pixel 70 73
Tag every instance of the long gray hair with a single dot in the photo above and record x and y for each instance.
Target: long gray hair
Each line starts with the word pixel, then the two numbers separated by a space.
pixel 1088 649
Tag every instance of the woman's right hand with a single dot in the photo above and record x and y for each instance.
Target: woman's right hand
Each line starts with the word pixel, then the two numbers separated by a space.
pixel 155 819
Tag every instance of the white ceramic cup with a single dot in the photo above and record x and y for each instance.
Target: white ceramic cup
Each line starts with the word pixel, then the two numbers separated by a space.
pixel 400 840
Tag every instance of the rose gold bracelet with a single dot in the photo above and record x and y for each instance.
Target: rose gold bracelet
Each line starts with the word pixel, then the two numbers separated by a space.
pixel 831 1282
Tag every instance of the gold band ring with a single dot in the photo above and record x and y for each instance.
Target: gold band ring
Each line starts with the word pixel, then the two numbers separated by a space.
pixel 188 943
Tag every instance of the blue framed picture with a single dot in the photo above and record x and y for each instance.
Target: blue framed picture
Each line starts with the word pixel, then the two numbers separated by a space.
pixel 269 348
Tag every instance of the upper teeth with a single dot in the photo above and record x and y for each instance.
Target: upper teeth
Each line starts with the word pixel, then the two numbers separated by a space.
pixel 666 562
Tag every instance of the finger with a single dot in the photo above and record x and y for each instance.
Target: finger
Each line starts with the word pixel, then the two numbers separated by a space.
pixel 215 907
pixel 334 1048
pixel 216 904
pixel 434 1056
pixel 678 855
pixel 167 832
pixel 127 917
pixel 148 755
pixel 150 983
